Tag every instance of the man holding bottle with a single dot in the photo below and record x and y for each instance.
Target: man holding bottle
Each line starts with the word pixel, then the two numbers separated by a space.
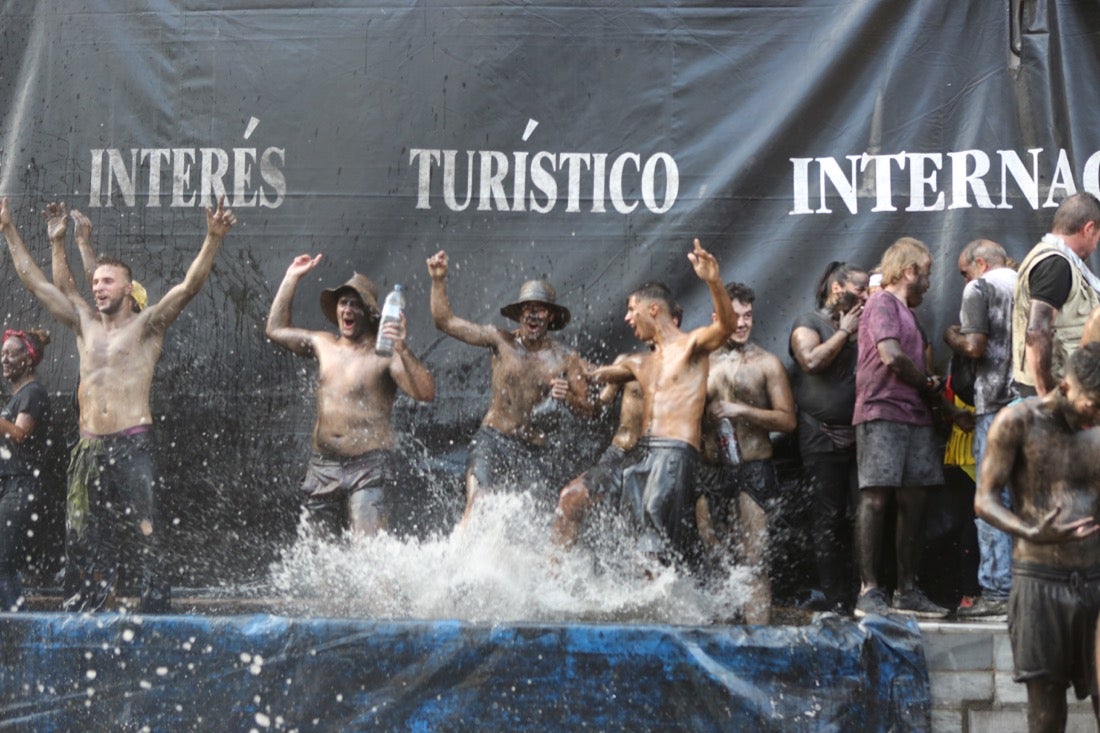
pixel 351 469
pixel 748 390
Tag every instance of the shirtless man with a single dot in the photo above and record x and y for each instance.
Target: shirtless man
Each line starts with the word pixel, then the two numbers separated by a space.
pixel 605 479
pixel 748 386
pixel 350 478
pixel 527 367
pixel 1047 452
pixel 111 472
pixel 659 488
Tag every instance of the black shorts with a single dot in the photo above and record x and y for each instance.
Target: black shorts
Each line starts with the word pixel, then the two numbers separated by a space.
pixel 605 479
pixel 659 494
pixel 1052 616
pixel 720 484
pixel 503 462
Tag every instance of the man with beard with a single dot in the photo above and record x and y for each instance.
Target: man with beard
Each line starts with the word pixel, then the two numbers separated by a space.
pixel 659 488
pixel 1047 452
pixel 119 342
pixel 896 447
pixel 351 477
pixel 528 367
pixel 748 386
pixel 823 344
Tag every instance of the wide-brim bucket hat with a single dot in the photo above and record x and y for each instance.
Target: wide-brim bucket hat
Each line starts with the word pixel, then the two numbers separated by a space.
pixel 359 284
pixel 538 291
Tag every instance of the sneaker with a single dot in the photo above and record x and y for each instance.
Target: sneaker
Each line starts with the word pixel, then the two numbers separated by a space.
pixel 985 609
pixel 915 603
pixel 873 601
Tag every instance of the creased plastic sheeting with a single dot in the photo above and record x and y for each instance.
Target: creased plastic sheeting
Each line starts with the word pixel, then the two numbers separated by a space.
pixel 112 673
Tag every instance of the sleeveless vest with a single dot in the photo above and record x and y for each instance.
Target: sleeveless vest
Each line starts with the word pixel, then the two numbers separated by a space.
pixel 1068 325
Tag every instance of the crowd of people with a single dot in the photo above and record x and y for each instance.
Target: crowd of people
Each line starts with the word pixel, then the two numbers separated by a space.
pixel 690 465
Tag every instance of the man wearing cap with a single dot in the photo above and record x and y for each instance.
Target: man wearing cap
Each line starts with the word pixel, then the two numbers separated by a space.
pixel 110 497
pixel 352 467
pixel 528 367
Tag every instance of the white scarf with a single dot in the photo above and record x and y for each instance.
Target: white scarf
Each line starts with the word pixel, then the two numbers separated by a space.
pixel 1059 244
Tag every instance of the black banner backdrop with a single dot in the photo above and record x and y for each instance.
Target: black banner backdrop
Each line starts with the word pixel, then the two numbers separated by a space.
pixel 588 142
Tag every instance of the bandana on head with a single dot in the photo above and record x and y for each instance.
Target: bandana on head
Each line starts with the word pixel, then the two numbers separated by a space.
pixel 28 343
pixel 137 292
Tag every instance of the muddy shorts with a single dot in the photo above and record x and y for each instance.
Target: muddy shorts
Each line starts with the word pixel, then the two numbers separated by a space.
pixel 659 495
pixel 503 462
pixel 721 484
pixel 1052 625
pixel 337 490
pixel 605 479
pixel 894 454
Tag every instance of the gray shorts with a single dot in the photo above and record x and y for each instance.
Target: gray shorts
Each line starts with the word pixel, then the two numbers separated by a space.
pixel 1052 625
pixel 894 454
pixel 339 492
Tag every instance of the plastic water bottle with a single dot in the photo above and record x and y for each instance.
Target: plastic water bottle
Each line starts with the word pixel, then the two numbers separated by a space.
pixel 548 413
pixel 727 442
pixel 391 313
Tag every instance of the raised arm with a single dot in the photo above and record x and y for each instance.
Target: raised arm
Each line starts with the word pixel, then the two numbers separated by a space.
pixel 445 320
pixel 57 220
pixel 56 302
pixel 82 233
pixel 410 374
pixel 279 328
pixel 713 335
pixel 165 312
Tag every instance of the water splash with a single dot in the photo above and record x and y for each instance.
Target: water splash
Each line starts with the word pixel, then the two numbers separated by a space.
pixel 500 567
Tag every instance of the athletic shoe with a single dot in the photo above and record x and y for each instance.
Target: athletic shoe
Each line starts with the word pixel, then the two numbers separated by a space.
pixel 873 601
pixel 915 603
pixel 985 609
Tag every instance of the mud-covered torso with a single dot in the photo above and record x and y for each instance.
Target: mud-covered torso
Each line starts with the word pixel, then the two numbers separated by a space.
pixel 1056 466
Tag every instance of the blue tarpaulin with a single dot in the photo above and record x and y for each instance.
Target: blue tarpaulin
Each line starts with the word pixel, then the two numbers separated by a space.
pixel 116 672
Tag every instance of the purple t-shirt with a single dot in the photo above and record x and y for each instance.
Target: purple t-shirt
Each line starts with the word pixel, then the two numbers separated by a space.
pixel 880 395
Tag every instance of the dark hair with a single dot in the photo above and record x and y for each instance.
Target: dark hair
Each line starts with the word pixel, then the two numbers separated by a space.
pixel 1075 212
pixel 740 292
pixel 40 335
pixel 655 291
pixel 835 272
pixel 1084 365
pixel 106 260
pixel 677 312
